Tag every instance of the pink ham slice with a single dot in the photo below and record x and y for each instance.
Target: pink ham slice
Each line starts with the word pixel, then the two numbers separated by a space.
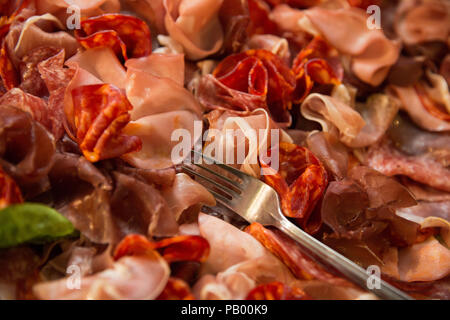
pixel 133 278
pixel 157 114
pixel 345 29
pixel 422 168
pixel 195 25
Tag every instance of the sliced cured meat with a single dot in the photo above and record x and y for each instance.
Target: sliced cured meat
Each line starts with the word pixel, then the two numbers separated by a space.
pixel 101 112
pixel 229 245
pixel 384 158
pixel 35 106
pixel 103 64
pixel 259 123
pixel 129 278
pixel 26 36
pixel 125 34
pixel 412 104
pixel 30 78
pixel 27 149
pixel 59 8
pixel 345 29
pixel 56 78
pixel 422 21
pixel 138 207
pixel 80 193
pixel 195 25
pixel 185 193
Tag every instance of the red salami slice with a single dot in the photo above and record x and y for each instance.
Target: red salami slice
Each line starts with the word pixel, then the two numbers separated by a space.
pixel 31 81
pixel 276 291
pixel 56 78
pixel 300 183
pixel 179 248
pixel 127 35
pixel 101 112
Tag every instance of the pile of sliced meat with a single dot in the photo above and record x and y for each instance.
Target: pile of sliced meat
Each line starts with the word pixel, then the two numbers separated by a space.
pixel 88 112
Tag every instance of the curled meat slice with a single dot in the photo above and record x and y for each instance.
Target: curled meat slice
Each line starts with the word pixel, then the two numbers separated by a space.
pixel 356 128
pixel 100 114
pixel 315 64
pixel 27 149
pixel 125 34
pixel 37 31
pixel 300 182
pixel 419 21
pixel 195 25
pixel 133 278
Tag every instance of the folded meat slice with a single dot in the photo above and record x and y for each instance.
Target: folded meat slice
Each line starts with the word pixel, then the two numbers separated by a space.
pixel 419 21
pixel 138 207
pixel 157 114
pixel 185 193
pixel 356 128
pixel 414 141
pixel 361 211
pixel 276 45
pixel 385 158
pixel 424 192
pixel 195 25
pixel 238 280
pixel 229 245
pixel 80 78
pixel 27 149
pixel 37 31
pixel 80 192
pixel 35 106
pixel 255 135
pixel 56 78
pixel 237 262
pixel 425 262
pixel 411 103
pixel 160 65
pixel 330 151
pixel 130 278
pixel 425 209
pixel 103 64
pixel 147 92
pixel 345 29
pixel 155 132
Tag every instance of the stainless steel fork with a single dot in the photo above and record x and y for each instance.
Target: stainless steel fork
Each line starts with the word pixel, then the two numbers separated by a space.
pixel 256 201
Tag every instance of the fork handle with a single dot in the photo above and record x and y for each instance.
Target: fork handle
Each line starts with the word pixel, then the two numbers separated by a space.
pixel 348 268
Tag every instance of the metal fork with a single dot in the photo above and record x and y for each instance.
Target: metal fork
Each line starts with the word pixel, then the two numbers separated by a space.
pixel 256 201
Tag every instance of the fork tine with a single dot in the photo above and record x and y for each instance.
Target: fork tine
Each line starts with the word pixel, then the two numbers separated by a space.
pixel 232 182
pixel 230 169
pixel 219 186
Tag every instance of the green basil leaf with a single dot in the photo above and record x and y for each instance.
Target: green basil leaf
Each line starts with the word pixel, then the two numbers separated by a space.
pixel 31 222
